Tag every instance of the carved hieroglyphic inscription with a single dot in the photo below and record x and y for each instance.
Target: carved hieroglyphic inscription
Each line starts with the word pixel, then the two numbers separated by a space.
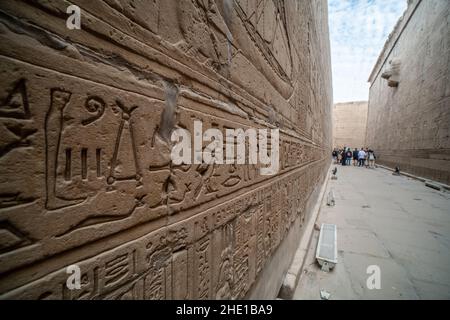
pixel 85 122
pixel 172 263
pixel 81 167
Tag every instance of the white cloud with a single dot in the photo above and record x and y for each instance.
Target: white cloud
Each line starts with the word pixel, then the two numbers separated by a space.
pixel 358 31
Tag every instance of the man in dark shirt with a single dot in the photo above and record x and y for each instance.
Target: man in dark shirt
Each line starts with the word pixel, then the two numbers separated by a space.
pixel 344 156
pixel 355 157
pixel 349 157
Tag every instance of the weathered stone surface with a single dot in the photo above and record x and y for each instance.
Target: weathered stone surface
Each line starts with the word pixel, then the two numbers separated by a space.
pixel 408 124
pixel 349 124
pixel 86 117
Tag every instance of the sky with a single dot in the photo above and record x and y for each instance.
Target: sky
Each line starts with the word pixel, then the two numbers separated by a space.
pixel 358 31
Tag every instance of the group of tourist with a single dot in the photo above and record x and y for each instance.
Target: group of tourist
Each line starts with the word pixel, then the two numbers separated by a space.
pixel 364 157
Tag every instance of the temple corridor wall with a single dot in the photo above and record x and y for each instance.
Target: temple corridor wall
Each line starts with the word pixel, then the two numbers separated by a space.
pixel 86 118
pixel 349 124
pixel 408 124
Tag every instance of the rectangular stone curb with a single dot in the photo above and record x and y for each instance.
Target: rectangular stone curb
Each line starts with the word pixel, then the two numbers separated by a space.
pixel 433 185
pixel 429 183
pixel 293 274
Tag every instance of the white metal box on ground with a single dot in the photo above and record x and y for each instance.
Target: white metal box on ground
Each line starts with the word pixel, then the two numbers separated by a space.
pixel 326 253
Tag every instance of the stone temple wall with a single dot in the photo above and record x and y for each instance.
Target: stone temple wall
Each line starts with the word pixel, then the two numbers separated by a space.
pixel 408 122
pixel 349 124
pixel 86 118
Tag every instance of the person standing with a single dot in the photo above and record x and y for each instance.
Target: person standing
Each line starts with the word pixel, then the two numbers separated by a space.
pixel 349 157
pixel 344 156
pixel 371 156
pixel 355 157
pixel 367 157
pixel 335 156
pixel 361 157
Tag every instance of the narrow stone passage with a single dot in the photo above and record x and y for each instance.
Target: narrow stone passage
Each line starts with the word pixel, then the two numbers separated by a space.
pixel 393 222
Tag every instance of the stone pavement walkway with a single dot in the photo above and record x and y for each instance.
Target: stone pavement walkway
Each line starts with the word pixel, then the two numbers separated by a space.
pixel 394 222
